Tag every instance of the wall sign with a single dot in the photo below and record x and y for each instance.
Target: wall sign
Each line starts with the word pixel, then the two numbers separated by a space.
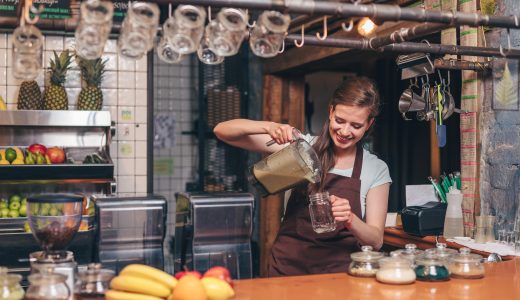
pixel 9 8
pixel 120 9
pixel 54 9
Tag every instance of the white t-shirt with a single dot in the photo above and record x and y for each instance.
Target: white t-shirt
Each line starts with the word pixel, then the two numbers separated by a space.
pixel 374 172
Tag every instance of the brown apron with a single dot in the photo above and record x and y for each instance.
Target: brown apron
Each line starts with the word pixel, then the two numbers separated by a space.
pixel 298 250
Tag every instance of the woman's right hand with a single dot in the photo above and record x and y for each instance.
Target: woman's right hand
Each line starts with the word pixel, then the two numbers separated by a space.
pixel 280 133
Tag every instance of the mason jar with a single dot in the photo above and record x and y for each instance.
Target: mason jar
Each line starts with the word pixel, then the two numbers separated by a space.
pixel 138 30
pixel 93 28
pixel 267 36
pixel 227 31
pixel 184 31
pixel 27 52
pixel 320 210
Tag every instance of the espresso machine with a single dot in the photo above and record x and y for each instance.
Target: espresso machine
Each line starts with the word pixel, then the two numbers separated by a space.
pixel 54 220
pixel 214 229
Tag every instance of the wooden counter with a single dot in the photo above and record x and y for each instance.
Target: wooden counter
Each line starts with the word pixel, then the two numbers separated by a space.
pixel 397 238
pixel 502 281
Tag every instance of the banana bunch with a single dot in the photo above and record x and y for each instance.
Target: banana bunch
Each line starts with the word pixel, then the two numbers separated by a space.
pixel 141 282
pixel 3 106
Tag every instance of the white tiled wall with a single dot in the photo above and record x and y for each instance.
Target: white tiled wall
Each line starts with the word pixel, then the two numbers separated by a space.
pixel 124 95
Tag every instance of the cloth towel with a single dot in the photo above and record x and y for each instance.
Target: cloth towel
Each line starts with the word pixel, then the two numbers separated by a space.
pixel 498 248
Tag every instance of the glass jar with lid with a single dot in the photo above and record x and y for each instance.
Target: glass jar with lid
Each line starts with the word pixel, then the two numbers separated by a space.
pixel 409 252
pixel 430 267
pixel 442 252
pixel 93 282
pixel 466 265
pixel 10 288
pixel 395 270
pixel 47 286
pixel 364 263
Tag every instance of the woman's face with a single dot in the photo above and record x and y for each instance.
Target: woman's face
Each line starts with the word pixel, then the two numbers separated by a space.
pixel 348 124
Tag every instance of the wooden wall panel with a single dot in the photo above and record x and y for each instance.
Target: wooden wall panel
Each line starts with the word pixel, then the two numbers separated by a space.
pixel 283 103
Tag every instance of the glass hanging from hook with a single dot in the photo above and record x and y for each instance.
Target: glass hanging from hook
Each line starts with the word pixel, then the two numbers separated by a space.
pixel 27 47
pixel 267 37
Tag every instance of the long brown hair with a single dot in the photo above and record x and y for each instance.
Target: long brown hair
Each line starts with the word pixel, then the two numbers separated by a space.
pixel 353 91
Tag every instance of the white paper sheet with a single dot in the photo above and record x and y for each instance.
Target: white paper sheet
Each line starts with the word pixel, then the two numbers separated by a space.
pixel 419 194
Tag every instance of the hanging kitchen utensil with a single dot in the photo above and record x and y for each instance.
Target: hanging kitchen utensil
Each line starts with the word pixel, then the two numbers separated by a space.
pixel 441 129
pixel 410 100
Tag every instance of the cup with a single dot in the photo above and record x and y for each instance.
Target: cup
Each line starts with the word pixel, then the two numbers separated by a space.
pixel 184 31
pixel 167 53
pixel 93 28
pixel 138 30
pixel 227 31
pixel 480 234
pixel 320 210
pixel 490 229
pixel 267 36
pixel 27 52
pixel 206 55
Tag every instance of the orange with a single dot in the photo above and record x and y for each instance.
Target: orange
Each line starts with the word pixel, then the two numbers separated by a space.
pixel 189 287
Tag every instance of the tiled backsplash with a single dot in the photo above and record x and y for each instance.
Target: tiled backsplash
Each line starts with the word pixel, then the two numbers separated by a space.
pixel 124 95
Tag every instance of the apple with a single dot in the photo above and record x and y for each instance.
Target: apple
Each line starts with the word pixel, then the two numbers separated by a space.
pixel 220 273
pixel 180 274
pixel 37 148
pixel 56 155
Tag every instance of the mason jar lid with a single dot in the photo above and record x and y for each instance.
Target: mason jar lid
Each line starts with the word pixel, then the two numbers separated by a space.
pixel 465 256
pixel 394 262
pixel 366 255
pixel 94 273
pixel 428 258
pixel 410 250
pixel 441 251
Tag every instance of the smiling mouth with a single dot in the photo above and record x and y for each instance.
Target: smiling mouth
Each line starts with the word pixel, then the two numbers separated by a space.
pixel 342 139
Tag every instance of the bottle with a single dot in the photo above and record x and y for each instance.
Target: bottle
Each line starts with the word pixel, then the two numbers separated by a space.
pixel 453 223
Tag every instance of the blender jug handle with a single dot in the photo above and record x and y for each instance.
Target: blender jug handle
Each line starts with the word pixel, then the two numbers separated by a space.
pixel 297 135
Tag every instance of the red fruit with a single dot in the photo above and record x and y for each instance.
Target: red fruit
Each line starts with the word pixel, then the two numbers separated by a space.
pixel 37 148
pixel 56 155
pixel 220 273
pixel 180 274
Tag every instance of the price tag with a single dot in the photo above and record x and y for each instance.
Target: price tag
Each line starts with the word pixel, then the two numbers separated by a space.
pixel 9 8
pixel 54 9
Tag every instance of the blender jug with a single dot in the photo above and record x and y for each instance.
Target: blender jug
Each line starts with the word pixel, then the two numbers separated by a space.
pixel 285 169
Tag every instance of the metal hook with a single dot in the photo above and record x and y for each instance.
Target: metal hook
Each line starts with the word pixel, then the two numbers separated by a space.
pixel 302 42
pixel 169 10
pixel 350 26
pixel 501 49
pixel 325 30
pixel 209 13
pixel 36 11
pixel 248 24
pixel 283 45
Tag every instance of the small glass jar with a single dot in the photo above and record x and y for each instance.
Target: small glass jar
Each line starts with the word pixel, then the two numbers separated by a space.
pixel 466 265
pixel 138 30
pixel 364 263
pixel 320 211
pixel 93 283
pixel 395 270
pixel 47 286
pixel 410 252
pixel 27 52
pixel 93 28
pixel 429 267
pixel 10 288
pixel 442 252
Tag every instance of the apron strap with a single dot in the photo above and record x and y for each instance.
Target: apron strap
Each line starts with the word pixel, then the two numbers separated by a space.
pixel 358 162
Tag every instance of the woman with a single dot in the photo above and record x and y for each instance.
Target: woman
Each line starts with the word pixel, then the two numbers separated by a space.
pixel 357 181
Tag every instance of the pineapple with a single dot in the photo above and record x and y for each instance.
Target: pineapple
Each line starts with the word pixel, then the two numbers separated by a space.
pixel 55 96
pixel 30 96
pixel 90 96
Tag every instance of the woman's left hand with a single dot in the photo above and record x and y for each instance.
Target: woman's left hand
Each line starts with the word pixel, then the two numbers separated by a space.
pixel 341 210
